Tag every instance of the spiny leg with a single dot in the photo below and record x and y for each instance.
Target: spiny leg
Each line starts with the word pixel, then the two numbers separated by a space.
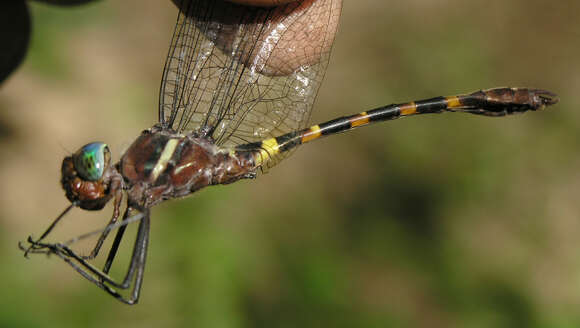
pixel 134 275
pixel 491 102
pixel 105 233
pixel 33 247
pixel 115 245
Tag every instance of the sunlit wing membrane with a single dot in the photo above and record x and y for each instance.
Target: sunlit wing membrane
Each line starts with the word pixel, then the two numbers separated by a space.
pixel 243 74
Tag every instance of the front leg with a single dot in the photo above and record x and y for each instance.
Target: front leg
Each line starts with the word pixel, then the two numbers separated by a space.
pixel 116 211
pixel 133 278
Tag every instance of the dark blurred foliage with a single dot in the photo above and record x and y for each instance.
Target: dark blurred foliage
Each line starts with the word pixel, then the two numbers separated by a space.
pixel 14 35
pixel 15 31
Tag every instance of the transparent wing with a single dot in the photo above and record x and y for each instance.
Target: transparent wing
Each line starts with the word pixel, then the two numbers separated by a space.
pixel 240 74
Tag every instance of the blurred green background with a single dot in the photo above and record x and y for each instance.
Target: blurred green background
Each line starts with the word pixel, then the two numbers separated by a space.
pixel 433 221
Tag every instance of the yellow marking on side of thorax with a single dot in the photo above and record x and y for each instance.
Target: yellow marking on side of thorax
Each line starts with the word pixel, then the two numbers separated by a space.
pixel 269 147
pixel 360 119
pixel 408 109
pixel 182 167
pixel 164 158
pixel 311 134
pixel 453 102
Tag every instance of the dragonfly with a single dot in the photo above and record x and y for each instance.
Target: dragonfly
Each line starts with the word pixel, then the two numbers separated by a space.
pixel 237 91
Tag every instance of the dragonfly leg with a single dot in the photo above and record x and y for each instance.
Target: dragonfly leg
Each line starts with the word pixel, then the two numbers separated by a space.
pixel 133 278
pixel 115 246
pixel 34 244
pixel 105 233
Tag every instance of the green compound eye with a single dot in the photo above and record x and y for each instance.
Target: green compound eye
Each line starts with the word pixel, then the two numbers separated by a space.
pixel 91 160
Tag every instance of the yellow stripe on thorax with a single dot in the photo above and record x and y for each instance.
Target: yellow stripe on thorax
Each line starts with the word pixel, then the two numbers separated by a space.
pixel 164 158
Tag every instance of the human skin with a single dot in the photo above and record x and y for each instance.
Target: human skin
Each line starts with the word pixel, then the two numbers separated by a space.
pixel 299 33
pixel 262 3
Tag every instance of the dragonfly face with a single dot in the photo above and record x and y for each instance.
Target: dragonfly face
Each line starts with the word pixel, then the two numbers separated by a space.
pixel 86 176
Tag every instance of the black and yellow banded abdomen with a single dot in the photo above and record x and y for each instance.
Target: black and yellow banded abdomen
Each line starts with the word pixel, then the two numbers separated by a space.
pixel 491 102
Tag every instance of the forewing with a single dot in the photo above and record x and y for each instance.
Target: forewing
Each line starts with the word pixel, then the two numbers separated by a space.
pixel 240 74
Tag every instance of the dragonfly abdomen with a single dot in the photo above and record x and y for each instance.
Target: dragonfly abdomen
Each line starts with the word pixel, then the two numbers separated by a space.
pixel 491 102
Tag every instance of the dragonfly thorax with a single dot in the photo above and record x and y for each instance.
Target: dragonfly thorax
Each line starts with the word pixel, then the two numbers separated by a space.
pixel 162 164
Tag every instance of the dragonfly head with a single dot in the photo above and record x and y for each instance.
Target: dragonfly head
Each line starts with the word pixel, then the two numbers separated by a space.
pixel 87 175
